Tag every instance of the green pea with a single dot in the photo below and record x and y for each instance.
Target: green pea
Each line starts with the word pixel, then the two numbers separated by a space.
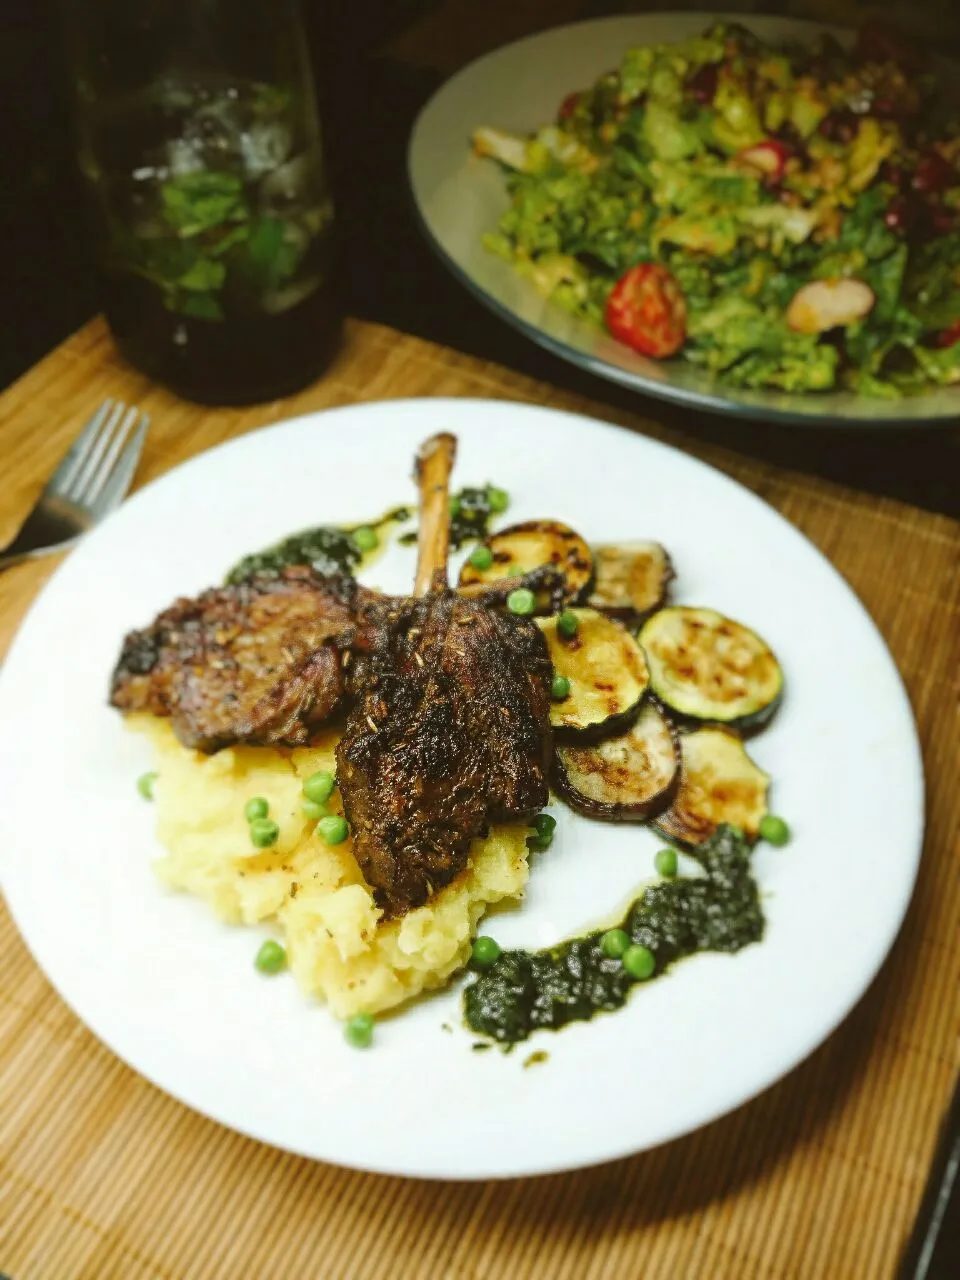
pixel 639 962
pixel 358 1030
pixel 481 557
pixel 271 957
pixel 256 807
pixel 145 785
pixel 774 830
pixel 543 826
pixel 666 862
pixel 320 786
pixel 485 951
pixel 498 499
pixel 614 943
pixel 559 688
pixel 333 829
pixel 313 810
pixel 521 601
pixel 568 624
pixel 263 833
pixel 365 538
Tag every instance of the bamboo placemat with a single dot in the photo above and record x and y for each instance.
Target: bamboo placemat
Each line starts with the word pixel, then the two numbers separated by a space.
pixel 104 1176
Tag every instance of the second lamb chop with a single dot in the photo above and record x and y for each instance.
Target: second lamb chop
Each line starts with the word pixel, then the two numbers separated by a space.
pixel 259 662
pixel 451 728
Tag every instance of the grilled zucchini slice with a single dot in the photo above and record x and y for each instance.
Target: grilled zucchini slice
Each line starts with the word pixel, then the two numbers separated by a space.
pixel 629 778
pixel 719 783
pixel 706 667
pixel 607 673
pixel 631 580
pixel 530 545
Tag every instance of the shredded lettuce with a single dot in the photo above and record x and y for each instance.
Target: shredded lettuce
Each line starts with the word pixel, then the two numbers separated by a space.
pixel 642 168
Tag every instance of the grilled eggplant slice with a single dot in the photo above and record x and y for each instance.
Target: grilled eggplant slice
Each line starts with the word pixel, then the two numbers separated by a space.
pixel 530 545
pixel 719 783
pixel 706 667
pixel 629 778
pixel 607 673
pixel 631 580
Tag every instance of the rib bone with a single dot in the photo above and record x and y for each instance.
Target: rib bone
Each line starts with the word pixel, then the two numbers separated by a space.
pixel 433 467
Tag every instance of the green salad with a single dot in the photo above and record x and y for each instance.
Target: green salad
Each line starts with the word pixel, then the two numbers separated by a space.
pixel 785 217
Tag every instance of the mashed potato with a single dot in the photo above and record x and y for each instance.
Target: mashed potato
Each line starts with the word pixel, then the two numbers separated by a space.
pixel 338 948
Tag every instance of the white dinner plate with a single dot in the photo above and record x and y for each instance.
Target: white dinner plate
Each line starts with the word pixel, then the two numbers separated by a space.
pixel 460 197
pixel 174 993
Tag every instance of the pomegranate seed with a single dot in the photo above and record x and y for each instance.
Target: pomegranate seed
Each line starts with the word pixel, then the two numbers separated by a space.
pixel 934 174
pixel 884 109
pixel 839 126
pixel 568 106
pixel 702 85
pixel 943 219
pixel 878 42
pixel 948 337
pixel 896 217
pixel 904 213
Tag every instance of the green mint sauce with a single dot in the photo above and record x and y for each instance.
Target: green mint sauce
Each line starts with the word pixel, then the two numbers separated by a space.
pixel 328 549
pixel 524 991
pixel 470 516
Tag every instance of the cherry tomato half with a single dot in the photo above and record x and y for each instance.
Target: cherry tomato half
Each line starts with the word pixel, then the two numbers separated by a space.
pixel 647 311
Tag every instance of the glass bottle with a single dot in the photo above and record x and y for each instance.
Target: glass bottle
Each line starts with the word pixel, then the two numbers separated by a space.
pixel 201 146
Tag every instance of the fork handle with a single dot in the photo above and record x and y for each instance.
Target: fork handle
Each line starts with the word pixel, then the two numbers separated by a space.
pixel 10 558
pixel 40 534
pixel 15 554
pixel 8 561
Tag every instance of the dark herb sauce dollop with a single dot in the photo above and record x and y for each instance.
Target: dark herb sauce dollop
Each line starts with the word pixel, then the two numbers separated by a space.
pixel 328 548
pixel 523 991
pixel 470 516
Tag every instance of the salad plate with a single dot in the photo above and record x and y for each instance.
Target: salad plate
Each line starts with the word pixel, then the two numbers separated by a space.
pixel 730 362
pixel 175 992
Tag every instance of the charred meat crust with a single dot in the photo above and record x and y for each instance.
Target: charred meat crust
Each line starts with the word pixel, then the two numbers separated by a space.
pixel 258 662
pixel 449 723
pixel 450 733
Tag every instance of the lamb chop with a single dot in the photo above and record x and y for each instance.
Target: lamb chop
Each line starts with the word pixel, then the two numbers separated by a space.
pixel 261 661
pixel 450 723
pixel 258 662
pixel 451 728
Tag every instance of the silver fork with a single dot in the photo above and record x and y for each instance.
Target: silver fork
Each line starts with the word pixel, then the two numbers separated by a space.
pixel 89 483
